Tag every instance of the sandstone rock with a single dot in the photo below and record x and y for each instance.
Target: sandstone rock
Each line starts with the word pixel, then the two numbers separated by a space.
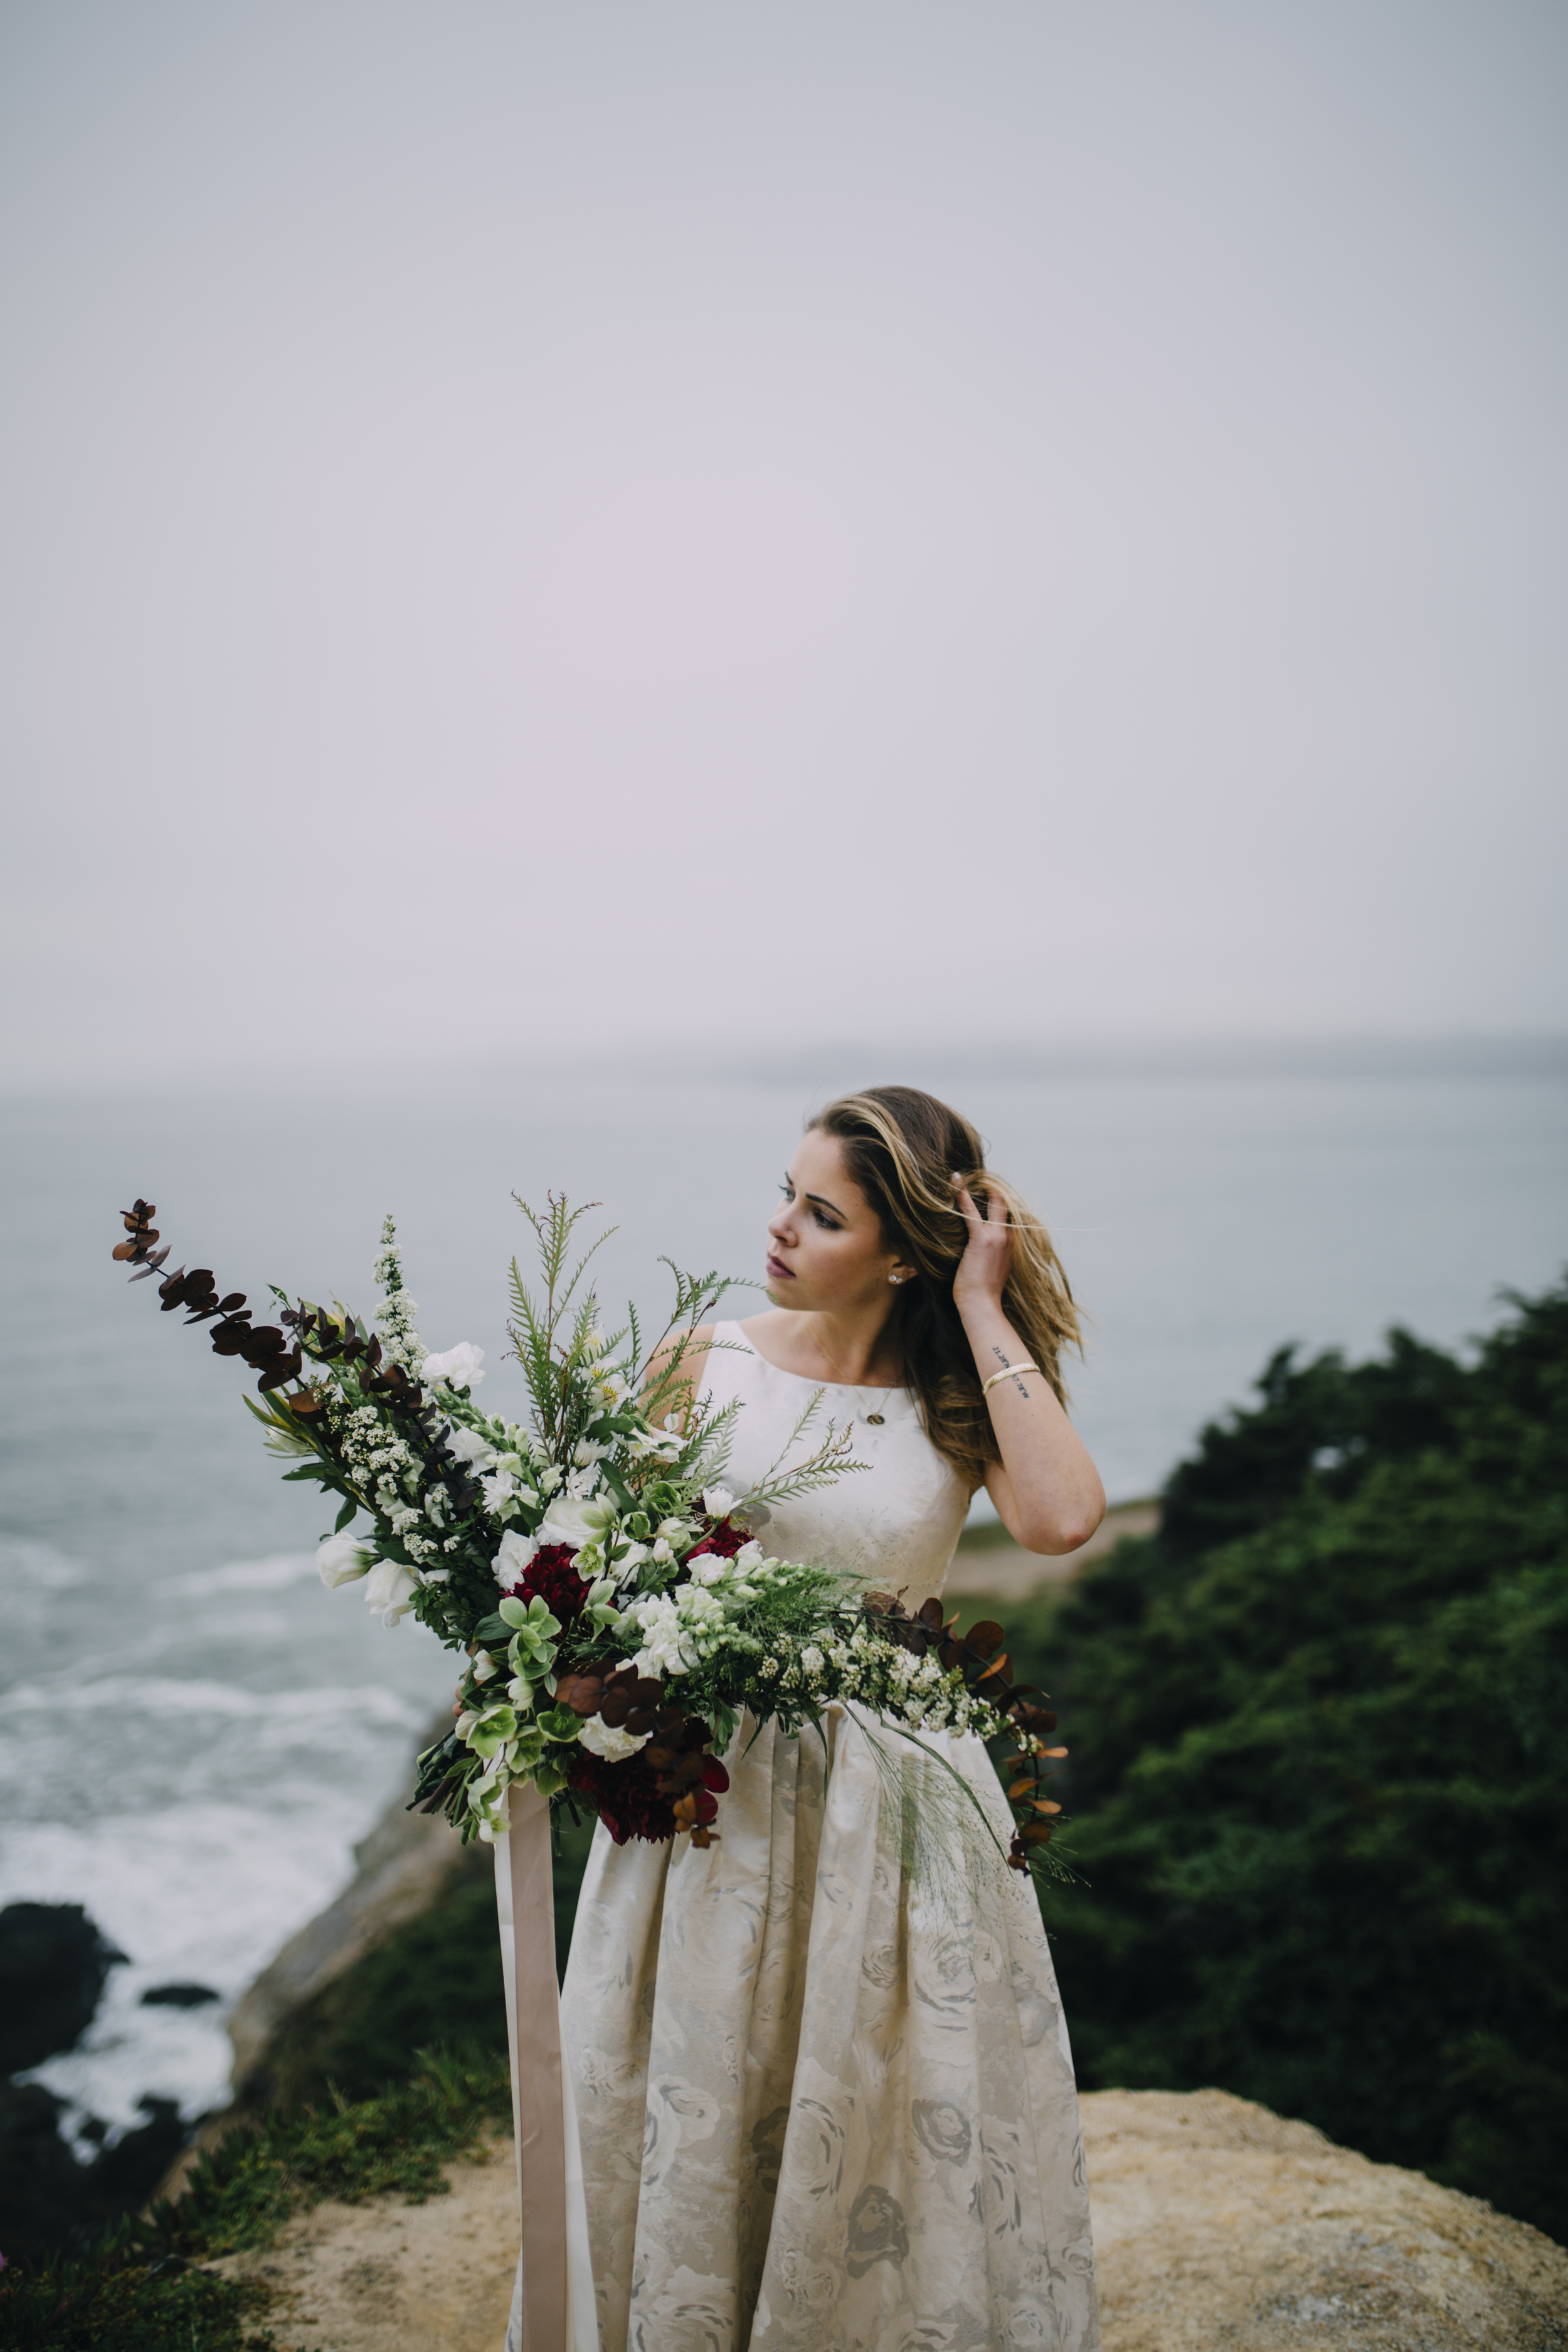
pixel 1218 2228
pixel 1218 2224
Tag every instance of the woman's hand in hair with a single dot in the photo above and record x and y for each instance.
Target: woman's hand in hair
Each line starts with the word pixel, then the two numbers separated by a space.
pixel 1046 1490
pixel 987 1259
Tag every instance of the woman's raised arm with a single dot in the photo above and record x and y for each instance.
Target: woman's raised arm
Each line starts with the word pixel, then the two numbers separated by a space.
pixel 1046 1488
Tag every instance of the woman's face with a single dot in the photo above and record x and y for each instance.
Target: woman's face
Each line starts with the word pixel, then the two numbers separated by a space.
pixel 825 1246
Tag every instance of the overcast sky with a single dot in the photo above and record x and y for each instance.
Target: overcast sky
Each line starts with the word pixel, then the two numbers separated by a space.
pixel 750 524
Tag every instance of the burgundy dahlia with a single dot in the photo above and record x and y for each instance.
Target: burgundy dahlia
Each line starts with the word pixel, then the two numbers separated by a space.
pixel 626 1796
pixel 723 1540
pixel 551 1577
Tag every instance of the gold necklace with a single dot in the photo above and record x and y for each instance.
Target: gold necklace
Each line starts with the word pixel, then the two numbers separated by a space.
pixel 873 1420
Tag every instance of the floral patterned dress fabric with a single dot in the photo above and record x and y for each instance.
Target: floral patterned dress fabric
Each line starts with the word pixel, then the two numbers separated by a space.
pixel 826 2103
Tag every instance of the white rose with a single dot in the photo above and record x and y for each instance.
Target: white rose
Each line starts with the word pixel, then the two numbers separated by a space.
pixel 574 1523
pixel 391 1588
pixel 341 1559
pixel 601 1739
pixel 471 1449
pixel 460 1367
pixel 515 1555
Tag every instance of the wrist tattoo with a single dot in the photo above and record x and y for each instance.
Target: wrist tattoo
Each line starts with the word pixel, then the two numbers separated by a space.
pixel 1001 1357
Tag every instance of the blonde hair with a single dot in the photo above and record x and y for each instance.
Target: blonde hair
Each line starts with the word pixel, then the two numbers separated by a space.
pixel 903 1148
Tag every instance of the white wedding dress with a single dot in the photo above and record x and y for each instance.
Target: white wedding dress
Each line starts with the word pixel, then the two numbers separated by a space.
pixel 824 2105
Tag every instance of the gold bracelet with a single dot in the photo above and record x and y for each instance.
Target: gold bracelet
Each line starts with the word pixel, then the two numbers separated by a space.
pixel 1006 1373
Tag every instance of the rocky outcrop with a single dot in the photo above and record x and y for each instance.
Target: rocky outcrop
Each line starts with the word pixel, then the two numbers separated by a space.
pixel 1217 2223
pixel 53 1964
pixel 1218 2228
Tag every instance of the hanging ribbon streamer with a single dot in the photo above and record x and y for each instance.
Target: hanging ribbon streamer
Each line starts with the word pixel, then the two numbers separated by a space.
pixel 525 1904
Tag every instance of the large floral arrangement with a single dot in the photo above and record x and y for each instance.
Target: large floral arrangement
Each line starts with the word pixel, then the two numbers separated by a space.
pixel 617 1605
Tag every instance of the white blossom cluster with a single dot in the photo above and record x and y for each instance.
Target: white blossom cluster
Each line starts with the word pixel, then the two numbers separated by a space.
pixel 919 1692
pixel 395 1317
pixel 388 1476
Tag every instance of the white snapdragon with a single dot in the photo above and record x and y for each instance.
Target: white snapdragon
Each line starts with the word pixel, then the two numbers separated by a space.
pixel 340 1560
pixel 459 1367
pixel 701 1617
pixel 664 1640
pixel 718 1502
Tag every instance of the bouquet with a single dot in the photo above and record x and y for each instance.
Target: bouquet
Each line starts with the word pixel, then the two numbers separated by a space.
pixel 616 1606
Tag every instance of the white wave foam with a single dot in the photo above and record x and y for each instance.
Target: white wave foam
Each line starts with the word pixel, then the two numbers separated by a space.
pixel 154 1695
pixel 279 1569
pixel 205 1893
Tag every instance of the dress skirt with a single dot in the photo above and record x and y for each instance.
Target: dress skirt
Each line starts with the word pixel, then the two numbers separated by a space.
pixel 823 2083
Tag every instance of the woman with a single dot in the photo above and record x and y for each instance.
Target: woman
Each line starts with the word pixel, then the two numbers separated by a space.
pixel 826 2105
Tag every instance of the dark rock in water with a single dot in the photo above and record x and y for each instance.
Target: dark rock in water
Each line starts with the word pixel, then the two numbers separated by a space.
pixel 178 1996
pixel 52 2204
pixel 53 1962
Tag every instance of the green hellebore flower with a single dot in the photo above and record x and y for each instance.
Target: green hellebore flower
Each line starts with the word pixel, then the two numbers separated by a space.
pixel 535 1614
pixel 493 1729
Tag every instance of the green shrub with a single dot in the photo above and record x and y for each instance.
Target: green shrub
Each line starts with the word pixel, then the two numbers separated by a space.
pixel 1320 1800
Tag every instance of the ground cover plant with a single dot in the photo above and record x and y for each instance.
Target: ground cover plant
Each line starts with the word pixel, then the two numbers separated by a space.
pixel 1319 1778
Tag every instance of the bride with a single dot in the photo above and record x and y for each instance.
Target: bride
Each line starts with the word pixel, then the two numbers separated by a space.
pixel 826 2102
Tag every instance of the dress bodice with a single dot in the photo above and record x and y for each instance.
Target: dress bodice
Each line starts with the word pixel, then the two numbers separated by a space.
pixel 897 1521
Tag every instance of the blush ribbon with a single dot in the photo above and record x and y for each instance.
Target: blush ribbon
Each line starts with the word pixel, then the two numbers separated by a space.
pixel 525 1905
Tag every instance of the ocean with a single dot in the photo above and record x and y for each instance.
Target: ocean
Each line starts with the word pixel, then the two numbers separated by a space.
pixel 194 1734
